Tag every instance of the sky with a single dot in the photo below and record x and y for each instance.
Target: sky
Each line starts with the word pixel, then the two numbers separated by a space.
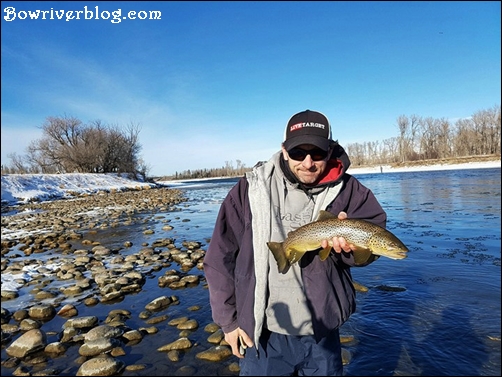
pixel 211 83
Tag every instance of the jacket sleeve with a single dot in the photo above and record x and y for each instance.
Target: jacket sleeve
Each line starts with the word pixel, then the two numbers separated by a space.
pixel 220 258
pixel 358 202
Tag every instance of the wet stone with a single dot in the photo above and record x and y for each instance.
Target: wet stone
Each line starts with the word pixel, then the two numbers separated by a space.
pixel 177 321
pixel 182 343
pixel 10 328
pixel 216 353
pixel 68 310
pixel 103 331
pixel 173 355
pixel 28 324
pixel 56 348
pixel 81 322
pixel 101 366
pixel 97 347
pixel 133 335
pixel 21 314
pixel 211 327
pixel 186 370
pixel 155 320
pixel 158 303
pixel 135 367
pixel 28 343
pixel 43 312
pixel 9 295
pixel 191 324
pixel 216 337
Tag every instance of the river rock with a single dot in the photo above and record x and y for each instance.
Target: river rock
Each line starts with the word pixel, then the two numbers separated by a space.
pixel 81 322
pixel 42 312
pixel 216 337
pixel 103 331
pixel 103 365
pixel 181 343
pixel 216 353
pixel 158 303
pixel 191 324
pixel 28 343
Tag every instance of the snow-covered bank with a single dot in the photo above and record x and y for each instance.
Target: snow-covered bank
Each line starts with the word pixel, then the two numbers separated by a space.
pixel 26 187
pixel 390 169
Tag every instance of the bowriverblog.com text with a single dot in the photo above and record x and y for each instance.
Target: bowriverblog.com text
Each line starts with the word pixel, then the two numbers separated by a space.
pixel 88 13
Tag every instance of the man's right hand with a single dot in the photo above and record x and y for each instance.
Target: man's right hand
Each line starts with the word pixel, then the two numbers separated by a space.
pixel 338 244
pixel 237 339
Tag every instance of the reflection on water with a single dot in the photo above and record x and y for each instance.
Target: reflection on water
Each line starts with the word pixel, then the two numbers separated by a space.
pixel 447 322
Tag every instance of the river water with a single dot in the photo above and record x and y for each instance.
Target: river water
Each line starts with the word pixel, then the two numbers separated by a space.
pixel 437 312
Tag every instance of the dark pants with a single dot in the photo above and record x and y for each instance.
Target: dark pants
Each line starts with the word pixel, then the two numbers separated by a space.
pixel 287 355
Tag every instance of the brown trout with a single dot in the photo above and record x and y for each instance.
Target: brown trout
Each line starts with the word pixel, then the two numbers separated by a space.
pixel 370 241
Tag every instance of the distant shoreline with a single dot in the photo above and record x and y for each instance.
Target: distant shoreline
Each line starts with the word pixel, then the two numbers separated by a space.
pixel 379 169
pixel 433 167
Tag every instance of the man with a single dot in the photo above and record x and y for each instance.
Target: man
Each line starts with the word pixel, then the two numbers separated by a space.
pixel 287 324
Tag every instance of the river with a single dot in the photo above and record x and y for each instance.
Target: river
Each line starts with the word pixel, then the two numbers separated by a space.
pixel 437 312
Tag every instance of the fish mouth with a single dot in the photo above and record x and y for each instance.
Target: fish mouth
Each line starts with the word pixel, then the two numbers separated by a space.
pixel 395 252
pixel 397 255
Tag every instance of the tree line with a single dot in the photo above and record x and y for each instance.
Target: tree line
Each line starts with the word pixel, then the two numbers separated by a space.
pixel 431 139
pixel 419 139
pixel 227 170
pixel 67 145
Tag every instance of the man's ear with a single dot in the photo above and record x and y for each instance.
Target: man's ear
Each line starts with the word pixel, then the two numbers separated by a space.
pixel 284 153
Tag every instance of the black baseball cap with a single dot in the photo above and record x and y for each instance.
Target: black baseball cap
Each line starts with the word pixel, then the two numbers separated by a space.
pixel 308 127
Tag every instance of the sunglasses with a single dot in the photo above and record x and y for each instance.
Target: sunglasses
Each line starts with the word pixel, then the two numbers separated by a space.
pixel 299 154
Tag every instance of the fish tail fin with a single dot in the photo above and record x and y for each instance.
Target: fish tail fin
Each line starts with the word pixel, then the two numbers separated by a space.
pixel 279 255
pixel 324 253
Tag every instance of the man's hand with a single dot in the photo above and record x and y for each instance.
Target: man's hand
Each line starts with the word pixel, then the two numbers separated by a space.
pixel 239 341
pixel 338 243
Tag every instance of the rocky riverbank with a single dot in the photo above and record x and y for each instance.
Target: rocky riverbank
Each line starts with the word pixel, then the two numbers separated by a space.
pixel 74 274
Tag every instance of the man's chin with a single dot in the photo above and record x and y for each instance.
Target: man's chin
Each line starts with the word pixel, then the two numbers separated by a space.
pixel 308 179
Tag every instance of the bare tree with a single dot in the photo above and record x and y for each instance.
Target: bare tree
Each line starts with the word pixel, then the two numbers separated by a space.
pixel 403 124
pixel 68 145
pixel 18 165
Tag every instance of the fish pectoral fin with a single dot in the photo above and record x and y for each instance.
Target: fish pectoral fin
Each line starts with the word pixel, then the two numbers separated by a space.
pixel 362 256
pixel 278 252
pixel 371 259
pixel 324 253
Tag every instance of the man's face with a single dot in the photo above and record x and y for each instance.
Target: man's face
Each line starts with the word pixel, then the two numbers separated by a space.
pixel 307 162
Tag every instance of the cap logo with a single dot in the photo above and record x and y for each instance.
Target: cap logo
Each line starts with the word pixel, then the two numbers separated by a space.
pixel 298 126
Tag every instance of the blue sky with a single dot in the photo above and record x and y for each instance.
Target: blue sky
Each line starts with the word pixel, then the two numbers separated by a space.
pixel 216 82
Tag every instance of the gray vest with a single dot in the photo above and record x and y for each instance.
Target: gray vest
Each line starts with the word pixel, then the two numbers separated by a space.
pixel 287 311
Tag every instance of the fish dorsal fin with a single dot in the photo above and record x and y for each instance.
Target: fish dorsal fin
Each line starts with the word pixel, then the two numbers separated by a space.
pixel 324 215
